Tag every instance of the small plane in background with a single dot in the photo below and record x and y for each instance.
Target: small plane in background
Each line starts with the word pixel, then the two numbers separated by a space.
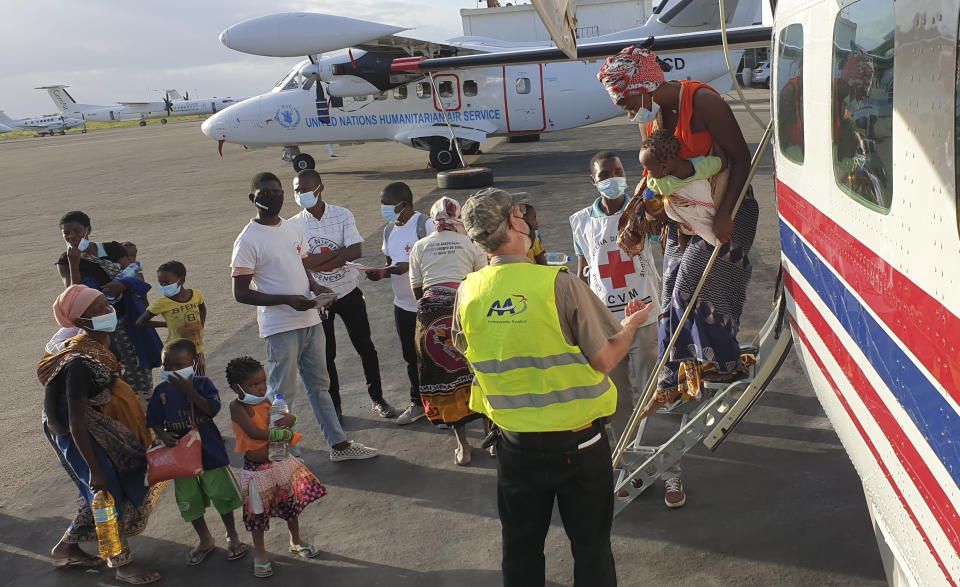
pixel 377 91
pixel 43 125
pixel 4 128
pixel 171 105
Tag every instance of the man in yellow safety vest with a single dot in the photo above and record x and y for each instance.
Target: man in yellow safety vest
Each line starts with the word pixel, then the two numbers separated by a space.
pixel 540 344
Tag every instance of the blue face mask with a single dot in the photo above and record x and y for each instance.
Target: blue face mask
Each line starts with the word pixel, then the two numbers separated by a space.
pixel 389 212
pixel 186 373
pixel 105 322
pixel 307 199
pixel 252 400
pixel 170 290
pixel 644 116
pixel 612 188
pixel 83 244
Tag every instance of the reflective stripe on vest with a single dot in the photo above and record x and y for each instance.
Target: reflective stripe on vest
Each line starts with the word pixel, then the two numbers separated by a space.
pixel 527 378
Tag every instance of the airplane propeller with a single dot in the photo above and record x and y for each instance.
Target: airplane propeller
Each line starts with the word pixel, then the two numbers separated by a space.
pixel 168 105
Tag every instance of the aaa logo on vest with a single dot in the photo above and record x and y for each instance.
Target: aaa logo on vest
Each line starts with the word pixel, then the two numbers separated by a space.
pixel 509 306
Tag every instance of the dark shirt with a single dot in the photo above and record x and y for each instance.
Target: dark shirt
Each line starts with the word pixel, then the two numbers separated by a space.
pixel 171 409
pixel 114 251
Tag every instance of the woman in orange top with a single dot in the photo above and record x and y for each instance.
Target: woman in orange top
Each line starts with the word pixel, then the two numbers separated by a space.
pixel 703 123
pixel 269 490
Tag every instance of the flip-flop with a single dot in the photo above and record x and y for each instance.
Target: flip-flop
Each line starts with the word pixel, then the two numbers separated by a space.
pixel 307 551
pixel 78 563
pixel 197 556
pixel 263 571
pixel 139 580
pixel 236 551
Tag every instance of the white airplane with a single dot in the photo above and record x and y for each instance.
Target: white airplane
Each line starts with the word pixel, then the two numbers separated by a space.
pixel 376 90
pixel 42 125
pixel 4 128
pixel 134 111
pixel 177 105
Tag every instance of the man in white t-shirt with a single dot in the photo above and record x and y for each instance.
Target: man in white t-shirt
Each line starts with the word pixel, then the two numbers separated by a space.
pixel 333 241
pixel 405 226
pixel 268 254
pixel 617 279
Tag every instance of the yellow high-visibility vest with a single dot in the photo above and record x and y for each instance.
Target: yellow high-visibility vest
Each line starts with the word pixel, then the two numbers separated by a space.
pixel 526 377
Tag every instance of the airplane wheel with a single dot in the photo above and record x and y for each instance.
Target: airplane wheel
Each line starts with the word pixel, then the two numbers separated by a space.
pixel 63 132
pixel 466 178
pixel 83 131
pixel 163 121
pixel 443 158
pixel 528 138
pixel 143 123
pixel 303 161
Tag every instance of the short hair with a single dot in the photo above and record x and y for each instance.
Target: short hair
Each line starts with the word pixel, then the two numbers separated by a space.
pixel 127 244
pixel 240 368
pixel 664 144
pixel 262 178
pixel 76 217
pixel 400 191
pixel 174 268
pixel 602 156
pixel 180 345
pixel 500 236
pixel 309 174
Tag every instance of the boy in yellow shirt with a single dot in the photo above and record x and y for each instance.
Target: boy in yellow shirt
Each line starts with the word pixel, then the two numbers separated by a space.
pixel 183 311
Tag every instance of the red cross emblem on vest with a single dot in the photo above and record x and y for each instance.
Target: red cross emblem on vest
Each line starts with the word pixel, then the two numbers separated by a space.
pixel 616 269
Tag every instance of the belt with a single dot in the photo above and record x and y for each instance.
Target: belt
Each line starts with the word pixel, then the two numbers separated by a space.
pixel 556 441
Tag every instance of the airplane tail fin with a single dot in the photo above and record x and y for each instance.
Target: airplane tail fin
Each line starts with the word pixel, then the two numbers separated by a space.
pixel 63 100
pixel 4 119
pixel 174 95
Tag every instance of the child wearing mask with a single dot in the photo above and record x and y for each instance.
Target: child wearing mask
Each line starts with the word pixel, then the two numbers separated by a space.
pixel 537 253
pixel 183 311
pixel 182 400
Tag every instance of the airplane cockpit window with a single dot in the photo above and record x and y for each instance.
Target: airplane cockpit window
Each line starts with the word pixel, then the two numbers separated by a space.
pixel 288 81
pixel 470 88
pixel 790 93
pixel 523 85
pixel 445 89
pixel 400 93
pixel 862 97
pixel 423 90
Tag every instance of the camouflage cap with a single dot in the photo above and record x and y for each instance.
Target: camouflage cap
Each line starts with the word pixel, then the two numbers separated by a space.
pixel 485 211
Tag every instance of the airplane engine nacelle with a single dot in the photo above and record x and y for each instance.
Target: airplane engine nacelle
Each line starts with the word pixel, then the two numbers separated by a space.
pixel 350 85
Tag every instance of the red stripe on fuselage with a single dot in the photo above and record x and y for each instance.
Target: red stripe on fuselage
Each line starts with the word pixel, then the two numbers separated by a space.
pixel 923 324
pixel 933 495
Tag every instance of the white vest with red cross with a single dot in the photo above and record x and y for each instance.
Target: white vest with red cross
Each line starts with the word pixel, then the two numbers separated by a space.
pixel 613 276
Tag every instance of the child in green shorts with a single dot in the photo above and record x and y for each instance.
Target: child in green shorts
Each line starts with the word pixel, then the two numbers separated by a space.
pixel 183 395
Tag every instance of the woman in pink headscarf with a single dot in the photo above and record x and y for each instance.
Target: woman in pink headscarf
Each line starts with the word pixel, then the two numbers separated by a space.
pixel 438 263
pixel 94 421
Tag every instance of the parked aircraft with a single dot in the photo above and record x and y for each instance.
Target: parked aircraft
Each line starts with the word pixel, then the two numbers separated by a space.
pixel 177 105
pixel 42 125
pixel 134 111
pixel 374 91
pixel 4 128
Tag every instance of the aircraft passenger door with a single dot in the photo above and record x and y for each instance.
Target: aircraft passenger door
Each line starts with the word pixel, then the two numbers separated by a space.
pixel 523 97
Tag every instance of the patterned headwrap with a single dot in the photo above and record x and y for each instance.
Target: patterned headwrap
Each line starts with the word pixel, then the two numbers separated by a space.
pixel 631 72
pixel 445 213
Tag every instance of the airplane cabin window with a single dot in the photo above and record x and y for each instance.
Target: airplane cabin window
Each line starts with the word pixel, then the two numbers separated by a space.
pixel 862 102
pixel 790 93
pixel 380 96
pixel 445 89
pixel 470 88
pixel 400 93
pixel 523 85
pixel 423 90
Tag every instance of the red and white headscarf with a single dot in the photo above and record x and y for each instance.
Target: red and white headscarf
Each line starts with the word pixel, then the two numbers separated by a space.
pixel 445 213
pixel 631 72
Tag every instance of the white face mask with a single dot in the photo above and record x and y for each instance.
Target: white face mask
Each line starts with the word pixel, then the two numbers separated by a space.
pixel 612 188
pixel 252 400
pixel 186 373
pixel 104 322
pixel 307 199
pixel 83 245
pixel 644 116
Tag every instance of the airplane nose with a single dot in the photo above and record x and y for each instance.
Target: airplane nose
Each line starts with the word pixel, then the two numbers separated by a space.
pixel 208 126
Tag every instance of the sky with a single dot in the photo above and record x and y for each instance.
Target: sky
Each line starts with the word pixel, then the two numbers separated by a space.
pixel 109 50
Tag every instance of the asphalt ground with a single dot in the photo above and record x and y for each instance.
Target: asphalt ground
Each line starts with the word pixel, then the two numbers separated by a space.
pixel 778 503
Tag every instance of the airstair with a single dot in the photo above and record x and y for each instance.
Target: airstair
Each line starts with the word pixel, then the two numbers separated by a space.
pixel 723 405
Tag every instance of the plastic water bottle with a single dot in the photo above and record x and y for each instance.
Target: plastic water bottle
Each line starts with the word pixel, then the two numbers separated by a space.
pixel 105 519
pixel 279 450
pixel 129 271
pixel 558 259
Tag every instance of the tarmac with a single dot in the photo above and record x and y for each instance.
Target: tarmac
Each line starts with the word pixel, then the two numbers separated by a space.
pixel 778 504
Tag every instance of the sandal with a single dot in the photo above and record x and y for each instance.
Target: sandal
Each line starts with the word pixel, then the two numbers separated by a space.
pixel 149 577
pixel 91 562
pixel 307 551
pixel 236 551
pixel 263 571
pixel 197 556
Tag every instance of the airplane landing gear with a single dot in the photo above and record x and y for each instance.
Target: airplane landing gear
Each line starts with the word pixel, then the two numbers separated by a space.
pixel 442 156
pixel 143 123
pixel 163 121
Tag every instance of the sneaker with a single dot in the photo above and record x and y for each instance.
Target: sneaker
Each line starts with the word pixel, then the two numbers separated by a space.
pixel 384 410
pixel 411 414
pixel 354 452
pixel 673 494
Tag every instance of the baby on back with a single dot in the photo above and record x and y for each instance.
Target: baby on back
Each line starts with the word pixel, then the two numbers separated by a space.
pixel 682 184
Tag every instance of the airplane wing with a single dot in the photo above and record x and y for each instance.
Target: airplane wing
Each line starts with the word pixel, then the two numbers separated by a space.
pixel 737 38
pixel 404 46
